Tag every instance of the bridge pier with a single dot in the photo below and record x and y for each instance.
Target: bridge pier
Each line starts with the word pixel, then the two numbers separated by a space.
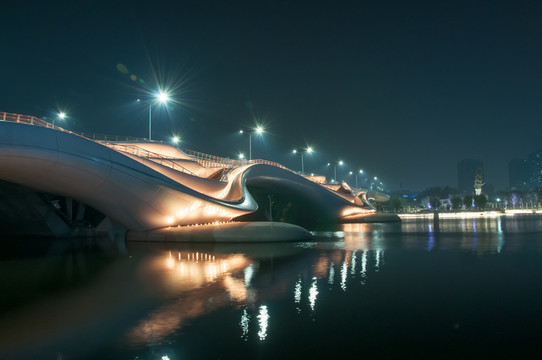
pixel 26 211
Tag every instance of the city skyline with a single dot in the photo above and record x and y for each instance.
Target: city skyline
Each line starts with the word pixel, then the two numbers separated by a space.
pixel 403 91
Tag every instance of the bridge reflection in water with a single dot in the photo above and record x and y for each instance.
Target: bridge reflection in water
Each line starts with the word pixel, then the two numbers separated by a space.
pixel 361 278
pixel 206 282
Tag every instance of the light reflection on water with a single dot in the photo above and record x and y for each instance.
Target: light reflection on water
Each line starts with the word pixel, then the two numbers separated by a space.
pixel 244 323
pixel 263 320
pixel 233 294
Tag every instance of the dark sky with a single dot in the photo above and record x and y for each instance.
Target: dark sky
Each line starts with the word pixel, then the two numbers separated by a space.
pixel 400 89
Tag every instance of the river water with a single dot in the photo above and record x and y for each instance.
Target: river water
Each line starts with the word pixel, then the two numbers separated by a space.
pixel 457 288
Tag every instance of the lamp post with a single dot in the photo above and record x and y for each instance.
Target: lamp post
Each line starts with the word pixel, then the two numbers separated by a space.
pixel 335 168
pixel 340 163
pixel 61 115
pixel 308 150
pixel 360 172
pixel 356 174
pixel 373 182
pixel 258 130
pixel 161 97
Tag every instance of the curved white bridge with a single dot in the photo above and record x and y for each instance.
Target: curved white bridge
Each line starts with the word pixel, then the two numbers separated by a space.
pixel 144 186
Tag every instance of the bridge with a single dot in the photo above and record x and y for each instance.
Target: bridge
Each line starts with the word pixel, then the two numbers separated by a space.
pixel 148 189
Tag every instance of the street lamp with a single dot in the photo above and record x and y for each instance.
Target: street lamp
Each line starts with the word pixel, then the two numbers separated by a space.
pixel 61 115
pixel 258 130
pixel 335 168
pixel 340 163
pixel 360 172
pixel 161 97
pixel 308 150
pixel 351 172
pixel 373 182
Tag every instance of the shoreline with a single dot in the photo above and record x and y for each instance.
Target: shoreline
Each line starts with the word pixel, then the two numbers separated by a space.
pixel 471 214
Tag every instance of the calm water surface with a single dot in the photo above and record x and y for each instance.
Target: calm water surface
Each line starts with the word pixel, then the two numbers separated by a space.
pixel 417 289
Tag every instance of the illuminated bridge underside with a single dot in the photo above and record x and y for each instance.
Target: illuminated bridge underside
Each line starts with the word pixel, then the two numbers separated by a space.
pixel 143 195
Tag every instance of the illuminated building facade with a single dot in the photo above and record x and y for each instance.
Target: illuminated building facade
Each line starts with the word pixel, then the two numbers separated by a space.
pixel 526 174
pixel 535 159
pixel 519 171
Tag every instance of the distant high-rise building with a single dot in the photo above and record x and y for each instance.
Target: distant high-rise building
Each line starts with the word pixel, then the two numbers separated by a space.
pixel 535 160
pixel 526 174
pixel 466 174
pixel 489 190
pixel 519 174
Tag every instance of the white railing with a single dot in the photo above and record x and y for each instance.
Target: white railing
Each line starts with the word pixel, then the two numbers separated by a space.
pixel 205 160
pixel 30 120
pixel 149 155
pixel 102 137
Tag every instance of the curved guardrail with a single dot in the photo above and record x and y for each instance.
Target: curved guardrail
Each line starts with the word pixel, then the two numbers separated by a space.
pixel 31 120
pixel 149 155
pixel 205 160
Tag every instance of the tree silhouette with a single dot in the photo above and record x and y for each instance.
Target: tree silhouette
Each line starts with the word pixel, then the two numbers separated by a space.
pixel 456 202
pixel 434 202
pixel 396 202
pixel 480 201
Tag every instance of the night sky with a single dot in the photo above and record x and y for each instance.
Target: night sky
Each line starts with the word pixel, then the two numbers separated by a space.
pixel 400 89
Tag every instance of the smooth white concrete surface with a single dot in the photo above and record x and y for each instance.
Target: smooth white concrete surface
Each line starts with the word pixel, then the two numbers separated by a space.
pixel 142 195
pixel 251 232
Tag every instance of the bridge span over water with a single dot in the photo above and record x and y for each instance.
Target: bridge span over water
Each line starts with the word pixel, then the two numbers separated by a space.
pixel 147 188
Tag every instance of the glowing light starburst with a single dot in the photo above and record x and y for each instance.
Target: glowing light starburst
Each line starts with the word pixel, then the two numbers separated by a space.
pixel 163 96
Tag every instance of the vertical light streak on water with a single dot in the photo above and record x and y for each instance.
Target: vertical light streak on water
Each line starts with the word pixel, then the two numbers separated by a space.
pixel 249 273
pixel 364 266
pixel 331 276
pixel 475 237
pixel 313 292
pixel 500 235
pixel 245 320
pixel 353 268
pixel 297 294
pixel 170 262
pixel 431 240
pixel 377 260
pixel 263 321
pixel 344 272
pixel 297 291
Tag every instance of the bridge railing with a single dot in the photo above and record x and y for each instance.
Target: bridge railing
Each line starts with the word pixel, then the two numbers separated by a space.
pixel 27 119
pixel 24 119
pixel 32 120
pixel 149 155
pixel 103 137
pixel 205 160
